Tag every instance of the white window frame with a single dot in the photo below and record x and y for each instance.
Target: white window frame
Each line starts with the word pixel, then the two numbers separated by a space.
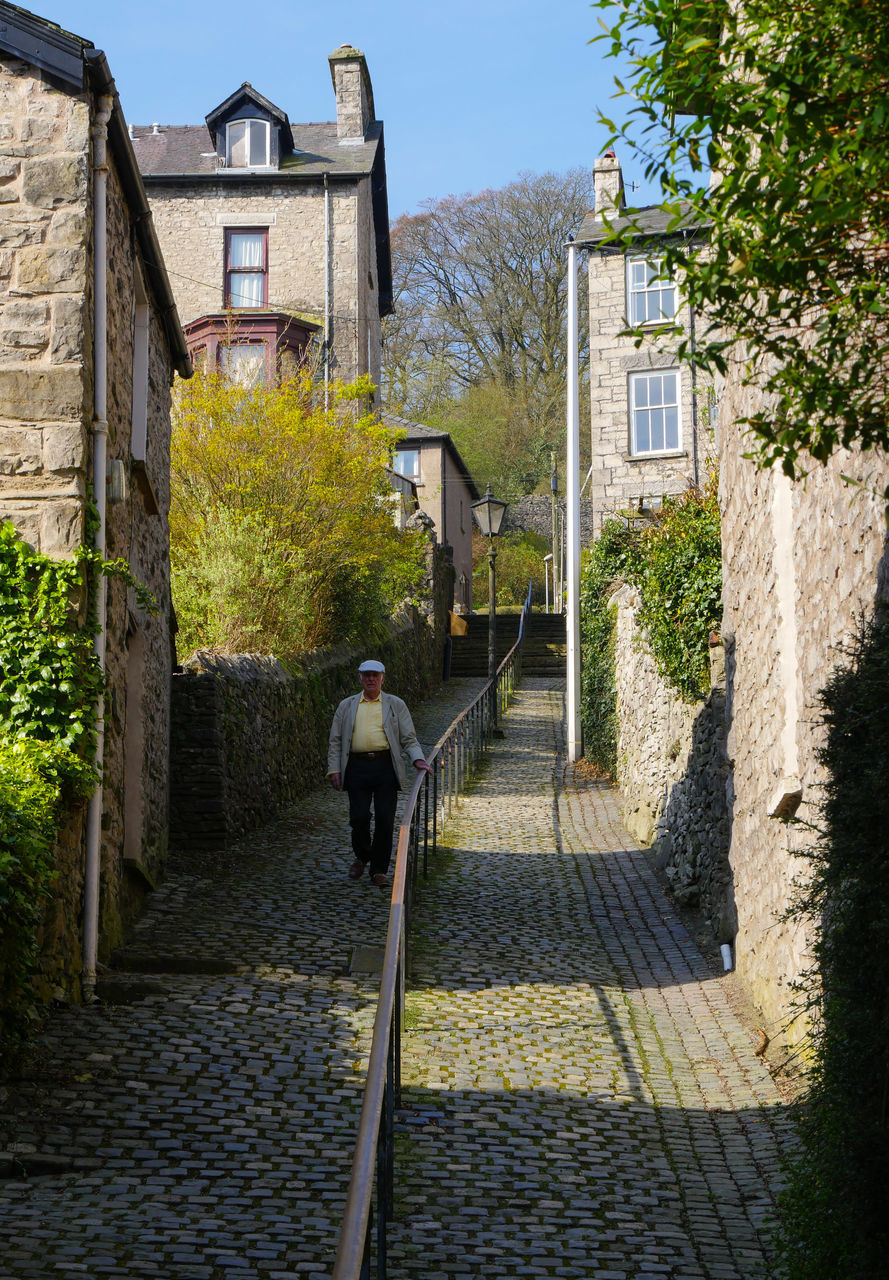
pixel 408 475
pixel 247 123
pixel 650 288
pixel 640 405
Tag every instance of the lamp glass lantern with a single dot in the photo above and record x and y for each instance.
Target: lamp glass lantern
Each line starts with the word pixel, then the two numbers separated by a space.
pixel 489 513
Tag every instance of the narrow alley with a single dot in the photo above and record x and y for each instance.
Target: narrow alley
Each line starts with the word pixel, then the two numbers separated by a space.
pixel 580 1099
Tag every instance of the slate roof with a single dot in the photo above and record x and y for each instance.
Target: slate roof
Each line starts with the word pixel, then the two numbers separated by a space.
pixel 188 151
pixel 651 220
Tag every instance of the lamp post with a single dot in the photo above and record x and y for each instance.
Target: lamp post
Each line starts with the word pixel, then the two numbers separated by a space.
pixel 489 513
pixel 546 564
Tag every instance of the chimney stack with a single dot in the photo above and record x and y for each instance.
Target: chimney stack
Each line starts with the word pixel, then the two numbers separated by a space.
pixel 608 184
pixel 354 95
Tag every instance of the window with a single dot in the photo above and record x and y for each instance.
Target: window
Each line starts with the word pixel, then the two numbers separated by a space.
pixel 650 296
pixel 244 363
pixel 654 412
pixel 247 144
pixel 246 268
pixel 407 463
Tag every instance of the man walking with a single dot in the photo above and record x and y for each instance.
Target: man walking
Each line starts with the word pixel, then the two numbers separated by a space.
pixel 370 731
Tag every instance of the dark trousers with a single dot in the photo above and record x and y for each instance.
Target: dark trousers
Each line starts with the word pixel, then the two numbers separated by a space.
pixel 372 782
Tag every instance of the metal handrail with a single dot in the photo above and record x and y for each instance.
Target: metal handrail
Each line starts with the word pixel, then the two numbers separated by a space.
pixel 453 758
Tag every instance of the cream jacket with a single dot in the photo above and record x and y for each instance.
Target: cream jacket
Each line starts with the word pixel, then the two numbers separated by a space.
pixel 397 726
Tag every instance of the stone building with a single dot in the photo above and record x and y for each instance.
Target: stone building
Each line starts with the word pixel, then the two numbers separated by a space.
pixel 275 234
pixel 651 419
pixel 445 492
pixel 89 340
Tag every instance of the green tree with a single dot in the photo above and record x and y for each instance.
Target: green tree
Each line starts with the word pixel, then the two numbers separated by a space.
pixel 281 520
pixel 789 105
pixel 476 345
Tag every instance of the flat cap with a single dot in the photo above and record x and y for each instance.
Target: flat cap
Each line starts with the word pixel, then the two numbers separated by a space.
pixel 372 665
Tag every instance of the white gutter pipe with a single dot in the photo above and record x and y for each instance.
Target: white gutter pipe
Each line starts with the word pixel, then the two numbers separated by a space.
pixel 100 462
pixel 572 487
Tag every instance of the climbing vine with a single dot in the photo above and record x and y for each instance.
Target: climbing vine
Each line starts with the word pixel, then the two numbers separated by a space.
pixel 675 563
pixel 50 680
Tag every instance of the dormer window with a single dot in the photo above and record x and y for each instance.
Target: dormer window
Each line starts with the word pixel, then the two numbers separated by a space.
pixel 247 144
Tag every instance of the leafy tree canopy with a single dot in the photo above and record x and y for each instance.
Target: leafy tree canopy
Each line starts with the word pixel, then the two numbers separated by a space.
pixel 477 342
pixel 789 105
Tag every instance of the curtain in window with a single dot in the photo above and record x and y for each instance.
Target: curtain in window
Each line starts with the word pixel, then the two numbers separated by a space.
pixel 246 286
pixel 244 363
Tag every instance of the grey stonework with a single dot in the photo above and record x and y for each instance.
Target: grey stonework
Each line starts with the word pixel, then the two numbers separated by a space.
pixel 533 514
pixel 47 221
pixel 673 773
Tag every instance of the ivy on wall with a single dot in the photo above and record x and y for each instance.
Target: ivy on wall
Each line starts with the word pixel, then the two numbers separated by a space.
pixel 50 680
pixel 675 563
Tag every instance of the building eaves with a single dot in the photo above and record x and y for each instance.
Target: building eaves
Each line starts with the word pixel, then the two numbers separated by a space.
pixel 43 44
pixel 102 82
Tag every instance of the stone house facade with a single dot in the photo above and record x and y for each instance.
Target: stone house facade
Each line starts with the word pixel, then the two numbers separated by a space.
pixel 651 419
pixel 276 234
pixel 445 492
pixel 88 345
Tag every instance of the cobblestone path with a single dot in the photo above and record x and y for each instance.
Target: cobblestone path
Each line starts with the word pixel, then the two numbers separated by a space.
pixel 206 1131
pixel 581 1100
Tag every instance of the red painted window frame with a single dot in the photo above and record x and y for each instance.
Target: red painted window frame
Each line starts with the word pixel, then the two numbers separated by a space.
pixel 228 272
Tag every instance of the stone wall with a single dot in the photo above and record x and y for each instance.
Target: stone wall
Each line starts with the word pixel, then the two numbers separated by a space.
pixel 533 514
pixel 803 562
pixel 44 277
pixel 250 735
pixel 673 772
pixel 139 655
pixel 46 460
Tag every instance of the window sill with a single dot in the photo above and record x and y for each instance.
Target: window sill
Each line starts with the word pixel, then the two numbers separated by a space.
pixel 645 457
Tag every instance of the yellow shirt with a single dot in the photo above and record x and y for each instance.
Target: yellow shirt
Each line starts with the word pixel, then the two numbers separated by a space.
pixel 368 735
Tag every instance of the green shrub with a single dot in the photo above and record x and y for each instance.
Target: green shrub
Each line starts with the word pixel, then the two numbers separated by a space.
pixel 49 683
pixel 675 564
pixel 680 580
pixel 612 559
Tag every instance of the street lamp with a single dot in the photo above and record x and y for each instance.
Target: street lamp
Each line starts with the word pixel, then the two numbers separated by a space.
pixel 489 513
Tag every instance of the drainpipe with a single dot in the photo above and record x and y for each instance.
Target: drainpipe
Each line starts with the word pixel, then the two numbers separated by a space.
pixel 573 734
pixel 100 455
pixel 327 257
pixel 694 395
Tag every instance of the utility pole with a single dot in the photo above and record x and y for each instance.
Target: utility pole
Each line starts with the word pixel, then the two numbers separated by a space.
pixel 573 736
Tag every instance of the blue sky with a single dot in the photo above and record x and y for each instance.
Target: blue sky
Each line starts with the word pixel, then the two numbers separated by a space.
pixel 471 92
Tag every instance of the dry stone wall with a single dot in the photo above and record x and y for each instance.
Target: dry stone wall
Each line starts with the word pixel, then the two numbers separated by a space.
pixel 673 772
pixel 250 735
